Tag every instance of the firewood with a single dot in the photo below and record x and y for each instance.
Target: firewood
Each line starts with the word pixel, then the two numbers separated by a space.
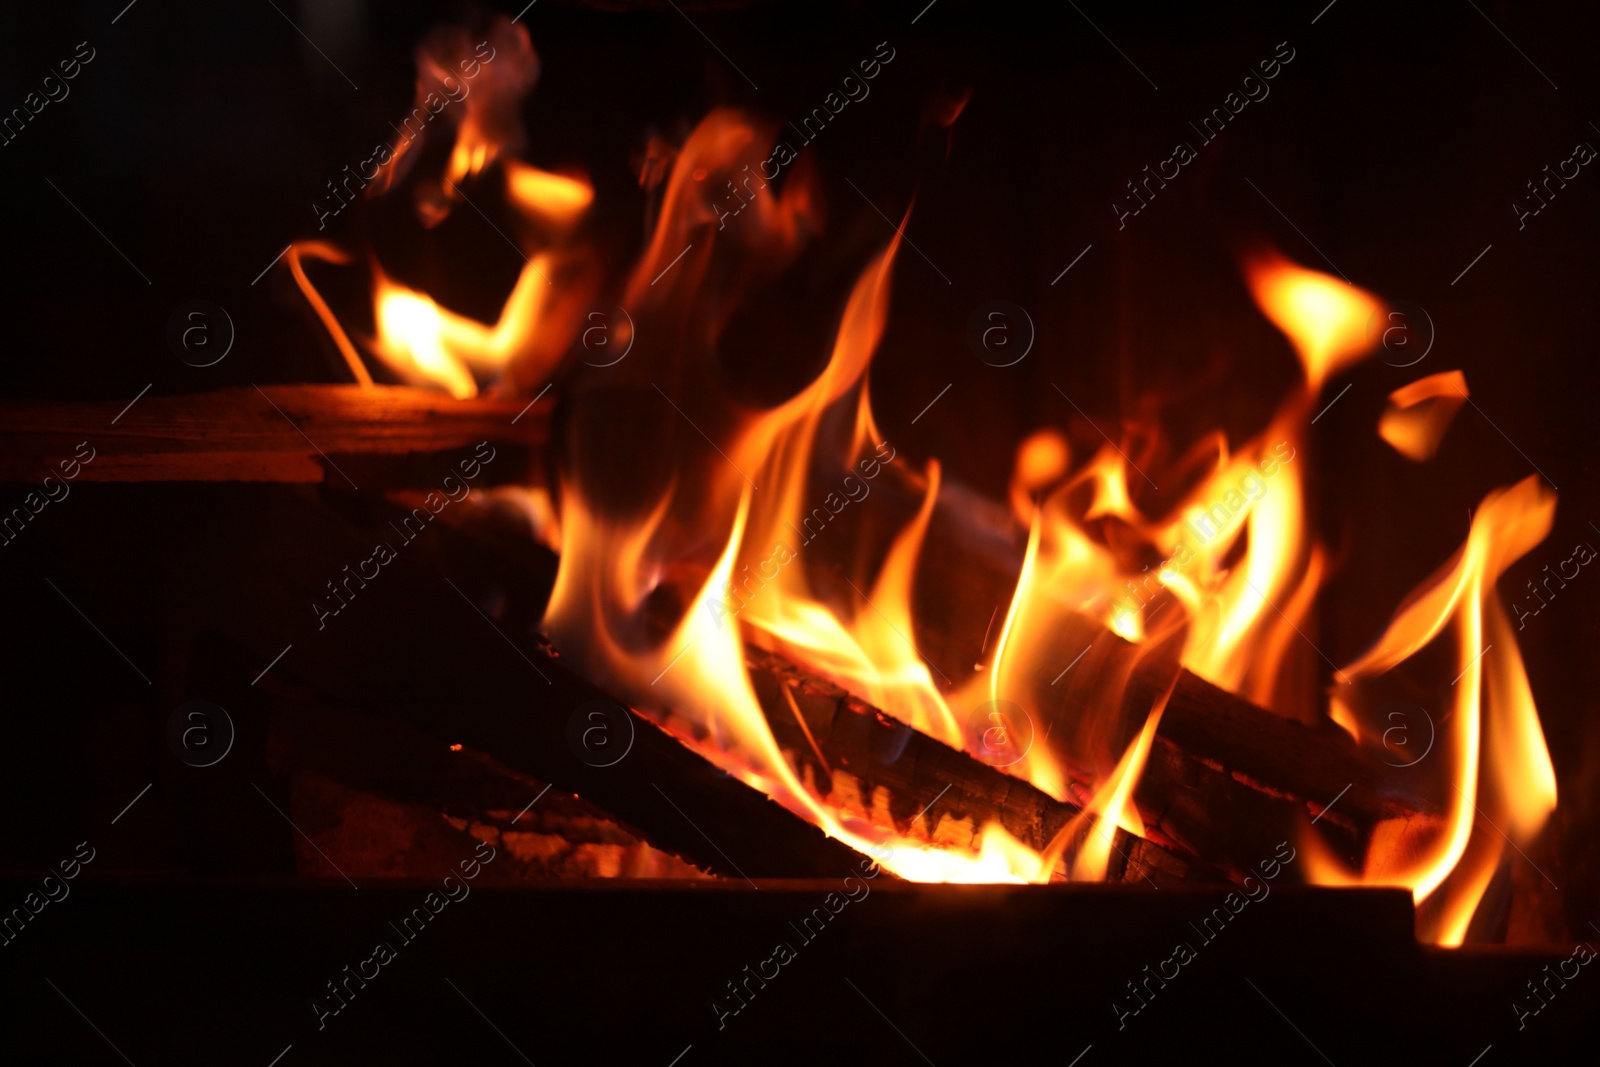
pixel 1224 777
pixel 932 791
pixel 443 641
pixel 1226 780
pixel 275 433
pixel 406 799
pixel 1201 818
pixel 1208 727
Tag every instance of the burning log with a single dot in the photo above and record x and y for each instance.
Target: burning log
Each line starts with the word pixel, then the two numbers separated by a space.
pixel 519 704
pixel 1205 731
pixel 1203 816
pixel 1225 780
pixel 276 433
pixel 928 787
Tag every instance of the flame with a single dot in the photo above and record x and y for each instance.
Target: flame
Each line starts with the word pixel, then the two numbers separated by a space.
pixel 703 688
pixel 322 250
pixel 1417 415
pixel 763 539
pixel 426 344
pixel 556 198
pixel 1492 793
pixel 695 679
pixel 476 89
pixel 1233 551
pixel 1113 803
pixel 1043 458
pixel 1326 320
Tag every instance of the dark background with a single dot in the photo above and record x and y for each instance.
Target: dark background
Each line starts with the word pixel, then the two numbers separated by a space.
pixel 1396 142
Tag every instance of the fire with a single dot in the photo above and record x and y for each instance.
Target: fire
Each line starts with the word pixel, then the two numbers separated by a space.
pixel 755 532
pixel 424 343
pixel 476 91
pixel 1492 793
pixel 695 677
pixel 1326 321
pixel 1418 415
pixel 556 198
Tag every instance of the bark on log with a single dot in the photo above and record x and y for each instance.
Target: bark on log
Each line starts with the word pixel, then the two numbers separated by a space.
pixel 275 433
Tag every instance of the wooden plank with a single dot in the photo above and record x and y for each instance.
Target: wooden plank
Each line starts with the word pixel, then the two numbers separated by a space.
pixel 275 433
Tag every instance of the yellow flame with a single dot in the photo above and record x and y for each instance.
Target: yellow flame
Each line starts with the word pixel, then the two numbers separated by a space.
pixel 426 344
pixel 1326 319
pixel 539 193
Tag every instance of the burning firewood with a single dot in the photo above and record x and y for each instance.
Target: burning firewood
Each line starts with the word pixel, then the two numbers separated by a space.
pixel 521 705
pixel 1224 776
pixel 1227 779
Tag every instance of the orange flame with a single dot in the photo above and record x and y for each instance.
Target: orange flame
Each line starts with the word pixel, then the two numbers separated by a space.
pixel 476 89
pixel 1417 415
pixel 1492 794
pixel 1326 320
pixel 696 679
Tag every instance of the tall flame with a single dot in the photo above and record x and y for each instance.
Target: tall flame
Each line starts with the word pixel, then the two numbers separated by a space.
pixel 696 679
pixel 1492 793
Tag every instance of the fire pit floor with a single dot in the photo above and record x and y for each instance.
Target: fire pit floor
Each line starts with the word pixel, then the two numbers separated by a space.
pixel 800 972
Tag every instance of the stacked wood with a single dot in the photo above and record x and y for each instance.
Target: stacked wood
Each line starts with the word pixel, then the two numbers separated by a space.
pixel 1226 779
pixel 1215 797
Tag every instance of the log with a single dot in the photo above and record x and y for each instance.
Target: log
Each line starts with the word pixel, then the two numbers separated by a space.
pixel 933 792
pixel 415 653
pixel 1197 797
pixel 274 433
pixel 1309 763
pixel 1203 822
pixel 1225 781
pixel 391 801
pixel 443 642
